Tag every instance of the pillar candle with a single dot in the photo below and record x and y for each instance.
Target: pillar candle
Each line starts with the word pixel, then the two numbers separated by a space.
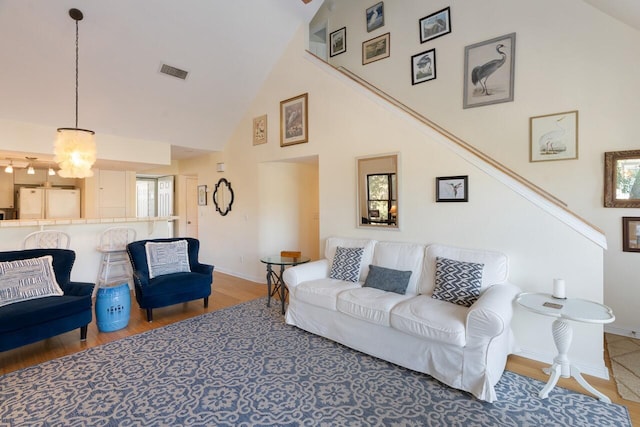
pixel 558 288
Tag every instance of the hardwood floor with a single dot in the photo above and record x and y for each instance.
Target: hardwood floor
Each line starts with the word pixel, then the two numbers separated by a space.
pixel 229 291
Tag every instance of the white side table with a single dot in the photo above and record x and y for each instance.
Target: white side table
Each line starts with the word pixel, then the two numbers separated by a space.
pixel 575 309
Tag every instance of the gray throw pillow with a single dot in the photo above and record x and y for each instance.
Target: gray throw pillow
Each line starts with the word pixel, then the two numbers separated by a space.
pixel 457 282
pixel 346 264
pixel 388 279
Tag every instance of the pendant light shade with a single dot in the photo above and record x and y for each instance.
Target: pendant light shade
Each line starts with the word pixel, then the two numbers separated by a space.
pixel 75 149
pixel 75 152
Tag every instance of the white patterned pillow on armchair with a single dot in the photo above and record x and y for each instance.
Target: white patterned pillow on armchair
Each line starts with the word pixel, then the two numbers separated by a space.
pixel 457 282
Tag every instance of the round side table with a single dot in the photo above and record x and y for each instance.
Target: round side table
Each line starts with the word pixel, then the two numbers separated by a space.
pixel 275 278
pixel 578 310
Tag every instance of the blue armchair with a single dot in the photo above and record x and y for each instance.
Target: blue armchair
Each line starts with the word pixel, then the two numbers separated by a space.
pixel 173 288
pixel 33 320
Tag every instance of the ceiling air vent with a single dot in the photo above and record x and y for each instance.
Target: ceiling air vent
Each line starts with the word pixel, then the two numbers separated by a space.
pixel 173 71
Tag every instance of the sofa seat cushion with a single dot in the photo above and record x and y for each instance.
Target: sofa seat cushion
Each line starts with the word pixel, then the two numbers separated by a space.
pixel 369 304
pixel 22 315
pixel 323 292
pixel 425 317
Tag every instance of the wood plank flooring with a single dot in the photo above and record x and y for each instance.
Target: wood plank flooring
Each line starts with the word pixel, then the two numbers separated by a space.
pixel 229 291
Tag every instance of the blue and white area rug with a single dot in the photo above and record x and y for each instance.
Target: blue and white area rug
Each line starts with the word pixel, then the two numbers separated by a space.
pixel 242 366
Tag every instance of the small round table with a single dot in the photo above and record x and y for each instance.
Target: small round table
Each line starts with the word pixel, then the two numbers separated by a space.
pixel 578 310
pixel 274 278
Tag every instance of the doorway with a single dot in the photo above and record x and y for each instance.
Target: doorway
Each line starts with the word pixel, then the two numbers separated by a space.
pixel 191 215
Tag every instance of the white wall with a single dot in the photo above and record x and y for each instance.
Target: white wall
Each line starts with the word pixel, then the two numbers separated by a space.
pixel 345 125
pixel 569 56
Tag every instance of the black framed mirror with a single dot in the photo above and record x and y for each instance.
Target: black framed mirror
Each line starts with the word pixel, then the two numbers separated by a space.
pixel 378 200
pixel 223 196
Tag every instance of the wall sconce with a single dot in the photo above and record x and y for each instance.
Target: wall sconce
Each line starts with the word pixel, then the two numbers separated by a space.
pixel 220 167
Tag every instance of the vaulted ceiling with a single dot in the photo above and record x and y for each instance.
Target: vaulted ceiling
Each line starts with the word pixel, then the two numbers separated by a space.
pixel 228 48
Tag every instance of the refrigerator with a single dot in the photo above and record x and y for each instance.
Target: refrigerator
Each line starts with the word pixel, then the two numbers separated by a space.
pixel 38 203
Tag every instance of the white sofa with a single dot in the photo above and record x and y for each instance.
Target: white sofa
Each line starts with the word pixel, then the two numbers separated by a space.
pixel 463 347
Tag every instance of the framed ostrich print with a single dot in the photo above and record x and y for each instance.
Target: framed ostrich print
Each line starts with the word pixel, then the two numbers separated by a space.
pixel 452 188
pixel 489 71
pixel 553 137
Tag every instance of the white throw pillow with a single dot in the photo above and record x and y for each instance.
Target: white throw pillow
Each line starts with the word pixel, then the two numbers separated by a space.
pixel 26 279
pixel 167 257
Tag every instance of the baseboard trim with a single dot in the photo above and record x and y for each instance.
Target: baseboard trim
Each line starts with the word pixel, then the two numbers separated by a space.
pixel 260 279
pixel 621 331
pixel 588 369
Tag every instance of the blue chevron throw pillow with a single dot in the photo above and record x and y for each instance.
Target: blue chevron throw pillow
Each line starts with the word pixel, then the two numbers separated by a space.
pixel 346 264
pixel 457 282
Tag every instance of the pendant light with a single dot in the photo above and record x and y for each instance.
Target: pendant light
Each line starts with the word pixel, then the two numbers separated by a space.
pixel 9 168
pixel 75 149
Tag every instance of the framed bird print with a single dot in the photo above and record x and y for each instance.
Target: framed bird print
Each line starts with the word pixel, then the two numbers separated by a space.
pixel 452 188
pixel 375 16
pixel 423 67
pixel 435 25
pixel 489 71
pixel 553 137
pixel 294 126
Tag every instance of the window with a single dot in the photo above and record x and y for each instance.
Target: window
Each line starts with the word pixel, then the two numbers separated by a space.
pixel 146 189
pixel 154 196
pixel 381 198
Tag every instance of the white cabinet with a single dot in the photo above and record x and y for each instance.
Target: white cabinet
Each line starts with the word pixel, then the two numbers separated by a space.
pixel 109 194
pixel 112 196
pixel 6 190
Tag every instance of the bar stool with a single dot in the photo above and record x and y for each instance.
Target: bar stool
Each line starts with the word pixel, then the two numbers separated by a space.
pixel 115 265
pixel 46 239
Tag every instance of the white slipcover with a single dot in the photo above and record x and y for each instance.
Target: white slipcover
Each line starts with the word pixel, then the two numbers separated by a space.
pixel 465 348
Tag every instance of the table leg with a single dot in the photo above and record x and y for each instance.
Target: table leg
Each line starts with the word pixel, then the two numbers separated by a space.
pixel 575 373
pixel 283 288
pixel 562 336
pixel 269 272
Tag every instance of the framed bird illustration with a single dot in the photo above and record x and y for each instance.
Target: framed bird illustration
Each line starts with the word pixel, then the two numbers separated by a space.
pixel 489 71
pixel 294 118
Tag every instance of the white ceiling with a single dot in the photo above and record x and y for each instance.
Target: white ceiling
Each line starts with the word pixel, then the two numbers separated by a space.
pixel 228 47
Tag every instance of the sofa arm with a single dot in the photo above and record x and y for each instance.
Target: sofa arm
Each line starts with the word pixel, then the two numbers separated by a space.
pixel 78 289
pixel 202 268
pixel 300 273
pixel 491 314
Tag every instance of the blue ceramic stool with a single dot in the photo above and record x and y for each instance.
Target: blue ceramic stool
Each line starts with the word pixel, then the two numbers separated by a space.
pixel 113 307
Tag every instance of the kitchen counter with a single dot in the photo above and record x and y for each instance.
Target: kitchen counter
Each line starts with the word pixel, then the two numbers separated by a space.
pixel 85 236
pixel 79 221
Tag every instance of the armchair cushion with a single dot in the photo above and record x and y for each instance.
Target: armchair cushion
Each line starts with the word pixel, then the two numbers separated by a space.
pixel 27 279
pixel 167 257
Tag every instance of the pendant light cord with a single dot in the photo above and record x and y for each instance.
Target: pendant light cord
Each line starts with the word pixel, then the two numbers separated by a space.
pixel 76 74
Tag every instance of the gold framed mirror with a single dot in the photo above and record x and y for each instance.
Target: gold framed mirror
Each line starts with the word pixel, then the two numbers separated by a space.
pixel 378 195
pixel 622 179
